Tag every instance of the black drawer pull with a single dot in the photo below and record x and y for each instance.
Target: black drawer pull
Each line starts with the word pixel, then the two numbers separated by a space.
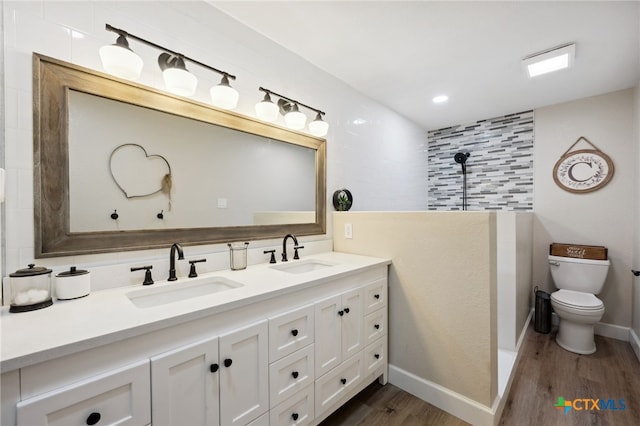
pixel 294 332
pixel 93 418
pixel 377 326
pixel 343 381
pixel 377 356
pixel 214 367
pixel 377 296
pixel 295 374
pixel 227 362
pixel 294 416
pixel 346 310
pixel 341 313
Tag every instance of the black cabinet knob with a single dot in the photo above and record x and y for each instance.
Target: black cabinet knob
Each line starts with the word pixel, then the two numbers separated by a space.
pixel 295 374
pixel 93 418
pixel 346 310
pixel 377 356
pixel 294 416
pixel 343 381
pixel 294 332
pixel 228 362
pixel 377 296
pixel 377 326
pixel 214 367
pixel 341 313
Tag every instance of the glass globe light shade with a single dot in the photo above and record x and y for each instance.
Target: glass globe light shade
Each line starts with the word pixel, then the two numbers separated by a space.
pixel 223 95
pixel 318 127
pixel 295 119
pixel 119 60
pixel 180 81
pixel 266 110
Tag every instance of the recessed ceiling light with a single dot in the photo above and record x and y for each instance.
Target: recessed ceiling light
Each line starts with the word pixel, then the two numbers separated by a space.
pixel 440 99
pixel 550 60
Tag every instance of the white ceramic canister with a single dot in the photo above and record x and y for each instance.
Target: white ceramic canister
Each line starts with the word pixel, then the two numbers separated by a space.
pixel 30 289
pixel 73 284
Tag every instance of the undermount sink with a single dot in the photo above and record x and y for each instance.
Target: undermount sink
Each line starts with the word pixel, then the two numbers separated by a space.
pixel 302 266
pixel 157 296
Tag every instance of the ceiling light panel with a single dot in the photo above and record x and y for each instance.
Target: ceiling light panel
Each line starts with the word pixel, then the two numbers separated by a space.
pixel 550 60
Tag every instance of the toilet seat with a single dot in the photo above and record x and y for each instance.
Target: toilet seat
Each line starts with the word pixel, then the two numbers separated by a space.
pixel 577 300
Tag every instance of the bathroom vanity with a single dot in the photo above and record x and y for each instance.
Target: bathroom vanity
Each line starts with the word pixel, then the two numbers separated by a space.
pixel 276 344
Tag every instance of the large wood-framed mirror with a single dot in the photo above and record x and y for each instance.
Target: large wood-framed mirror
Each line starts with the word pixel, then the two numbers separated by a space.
pixel 122 166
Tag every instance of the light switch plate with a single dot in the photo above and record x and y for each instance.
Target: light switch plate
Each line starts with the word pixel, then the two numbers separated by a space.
pixel 222 203
pixel 348 231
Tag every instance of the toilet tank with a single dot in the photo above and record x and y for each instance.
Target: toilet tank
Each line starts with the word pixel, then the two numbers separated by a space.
pixel 585 275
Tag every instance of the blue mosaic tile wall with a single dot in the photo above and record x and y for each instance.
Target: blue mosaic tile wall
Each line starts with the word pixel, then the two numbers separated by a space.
pixel 499 169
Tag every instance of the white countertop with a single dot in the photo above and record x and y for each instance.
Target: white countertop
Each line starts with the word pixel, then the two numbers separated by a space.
pixel 108 316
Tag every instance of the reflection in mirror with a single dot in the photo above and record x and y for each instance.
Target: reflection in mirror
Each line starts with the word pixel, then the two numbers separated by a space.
pixel 140 161
pixel 174 169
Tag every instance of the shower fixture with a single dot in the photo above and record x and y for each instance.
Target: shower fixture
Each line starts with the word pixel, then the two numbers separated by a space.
pixel 461 158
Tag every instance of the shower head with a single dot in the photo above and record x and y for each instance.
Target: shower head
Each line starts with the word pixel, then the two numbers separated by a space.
pixel 461 158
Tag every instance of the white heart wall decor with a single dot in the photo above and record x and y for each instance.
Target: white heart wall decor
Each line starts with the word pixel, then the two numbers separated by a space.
pixel 137 173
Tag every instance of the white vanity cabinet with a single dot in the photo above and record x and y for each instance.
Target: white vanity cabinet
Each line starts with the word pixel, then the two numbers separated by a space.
pixel 289 360
pixel 118 397
pixel 218 381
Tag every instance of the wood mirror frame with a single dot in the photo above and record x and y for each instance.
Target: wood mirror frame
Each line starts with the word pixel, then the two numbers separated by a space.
pixel 52 80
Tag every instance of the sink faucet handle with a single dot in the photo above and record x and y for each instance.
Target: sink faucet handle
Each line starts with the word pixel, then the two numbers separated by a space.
pixel 192 270
pixel 148 279
pixel 295 252
pixel 273 255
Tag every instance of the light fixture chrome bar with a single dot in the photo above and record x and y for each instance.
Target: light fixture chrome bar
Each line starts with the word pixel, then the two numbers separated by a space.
pixel 271 92
pixel 157 46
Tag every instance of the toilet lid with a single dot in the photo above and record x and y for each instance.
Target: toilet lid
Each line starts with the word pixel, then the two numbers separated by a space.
pixel 577 299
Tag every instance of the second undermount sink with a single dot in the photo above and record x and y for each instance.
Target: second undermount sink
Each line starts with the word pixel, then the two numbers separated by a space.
pixel 302 266
pixel 156 296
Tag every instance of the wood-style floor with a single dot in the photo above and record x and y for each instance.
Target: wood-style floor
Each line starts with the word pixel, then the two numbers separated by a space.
pixel 544 372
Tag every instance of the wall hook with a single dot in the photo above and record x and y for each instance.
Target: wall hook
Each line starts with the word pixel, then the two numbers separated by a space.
pixel 115 215
pixel 160 215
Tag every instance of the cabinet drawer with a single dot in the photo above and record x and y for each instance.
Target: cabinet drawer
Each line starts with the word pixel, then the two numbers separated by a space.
pixel 118 397
pixel 290 331
pixel 290 374
pixel 375 355
pixel 333 385
pixel 297 410
pixel 375 296
pixel 375 326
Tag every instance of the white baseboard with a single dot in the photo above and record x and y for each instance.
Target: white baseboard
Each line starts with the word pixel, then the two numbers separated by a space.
pixel 613 331
pixel 452 402
pixel 634 339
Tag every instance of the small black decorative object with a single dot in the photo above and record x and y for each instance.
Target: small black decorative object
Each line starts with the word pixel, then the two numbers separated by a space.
pixel 115 215
pixel 342 200
pixel 160 215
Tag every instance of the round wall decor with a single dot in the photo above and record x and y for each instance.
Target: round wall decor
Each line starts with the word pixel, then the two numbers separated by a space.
pixel 342 200
pixel 583 171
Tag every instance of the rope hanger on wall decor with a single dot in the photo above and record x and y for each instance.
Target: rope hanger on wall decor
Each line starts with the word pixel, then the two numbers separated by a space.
pixel 584 170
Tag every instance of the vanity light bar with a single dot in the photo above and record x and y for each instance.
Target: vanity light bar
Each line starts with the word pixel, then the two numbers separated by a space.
pixel 289 108
pixel 118 59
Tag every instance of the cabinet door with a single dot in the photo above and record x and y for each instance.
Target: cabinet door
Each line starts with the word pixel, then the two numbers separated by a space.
pixel 328 330
pixel 352 323
pixel 118 397
pixel 244 374
pixel 290 331
pixel 184 385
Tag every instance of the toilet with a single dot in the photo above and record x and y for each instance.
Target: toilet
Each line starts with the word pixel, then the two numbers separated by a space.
pixel 575 303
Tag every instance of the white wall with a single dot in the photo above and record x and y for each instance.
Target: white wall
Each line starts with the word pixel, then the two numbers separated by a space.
pixel 603 217
pixel 371 150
